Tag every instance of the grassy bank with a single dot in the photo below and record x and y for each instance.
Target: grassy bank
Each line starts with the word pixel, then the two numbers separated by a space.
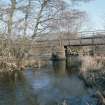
pixel 93 73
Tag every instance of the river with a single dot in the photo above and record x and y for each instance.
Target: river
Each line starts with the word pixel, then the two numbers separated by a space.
pixel 50 85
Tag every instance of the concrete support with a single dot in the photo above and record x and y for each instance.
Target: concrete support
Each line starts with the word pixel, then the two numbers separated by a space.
pixel 58 53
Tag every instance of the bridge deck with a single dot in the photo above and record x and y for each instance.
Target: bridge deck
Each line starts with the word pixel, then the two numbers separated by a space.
pixel 89 41
pixel 86 41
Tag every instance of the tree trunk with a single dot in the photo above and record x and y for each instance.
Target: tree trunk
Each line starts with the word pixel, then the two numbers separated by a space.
pixel 39 17
pixel 10 20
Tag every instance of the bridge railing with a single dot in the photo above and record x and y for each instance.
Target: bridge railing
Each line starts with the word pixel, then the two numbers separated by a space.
pixel 85 41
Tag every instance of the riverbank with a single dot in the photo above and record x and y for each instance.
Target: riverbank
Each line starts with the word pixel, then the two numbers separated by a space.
pixel 95 80
pixel 19 65
pixel 92 72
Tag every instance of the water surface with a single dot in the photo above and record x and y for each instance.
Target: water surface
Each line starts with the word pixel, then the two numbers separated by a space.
pixel 45 86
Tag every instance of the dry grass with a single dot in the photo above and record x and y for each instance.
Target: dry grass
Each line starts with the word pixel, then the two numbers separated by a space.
pixel 90 63
pixel 15 54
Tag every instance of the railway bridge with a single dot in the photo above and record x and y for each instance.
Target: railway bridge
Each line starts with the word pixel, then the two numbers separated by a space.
pixel 61 48
pixel 57 48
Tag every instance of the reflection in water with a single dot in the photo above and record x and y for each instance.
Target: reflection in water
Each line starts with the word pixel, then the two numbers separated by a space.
pixel 73 63
pixel 59 67
pixel 47 86
pixel 14 90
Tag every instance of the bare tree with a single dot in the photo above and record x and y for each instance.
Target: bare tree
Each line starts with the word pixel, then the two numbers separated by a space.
pixel 11 13
pixel 26 17
pixel 38 16
pixel 43 5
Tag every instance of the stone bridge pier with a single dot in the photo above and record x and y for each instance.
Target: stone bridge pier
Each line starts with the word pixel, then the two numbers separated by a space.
pixel 62 52
pixel 58 53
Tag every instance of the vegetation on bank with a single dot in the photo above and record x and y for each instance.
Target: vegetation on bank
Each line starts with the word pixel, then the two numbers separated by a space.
pixel 93 73
pixel 17 54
